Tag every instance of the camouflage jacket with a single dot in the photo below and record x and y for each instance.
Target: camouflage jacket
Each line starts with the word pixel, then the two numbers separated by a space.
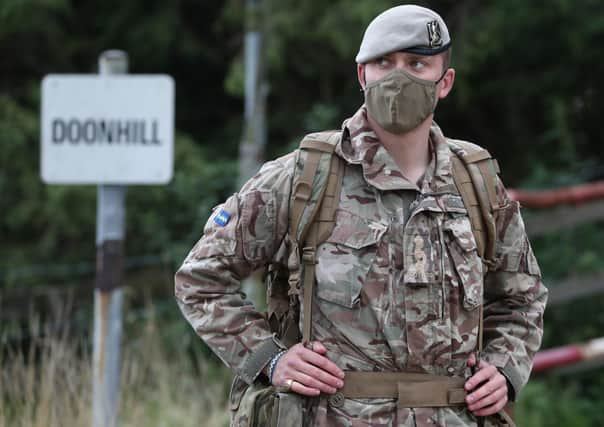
pixel 398 289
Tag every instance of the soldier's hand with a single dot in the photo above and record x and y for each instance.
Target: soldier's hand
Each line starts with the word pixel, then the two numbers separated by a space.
pixel 311 372
pixel 488 387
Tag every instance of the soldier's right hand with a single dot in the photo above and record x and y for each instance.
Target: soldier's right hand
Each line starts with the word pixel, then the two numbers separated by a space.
pixel 311 372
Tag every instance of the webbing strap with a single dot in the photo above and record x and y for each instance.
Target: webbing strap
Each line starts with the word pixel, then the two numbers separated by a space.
pixel 319 230
pixel 412 390
pixel 480 329
pixel 487 203
pixel 314 145
pixel 465 186
pixel 475 175
pixel 308 260
pixel 477 156
pixel 316 201
pixel 331 199
pixel 430 395
pixel 488 171
pixel 302 190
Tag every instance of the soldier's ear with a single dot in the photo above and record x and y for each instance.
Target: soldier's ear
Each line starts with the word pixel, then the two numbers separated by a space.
pixel 361 75
pixel 446 84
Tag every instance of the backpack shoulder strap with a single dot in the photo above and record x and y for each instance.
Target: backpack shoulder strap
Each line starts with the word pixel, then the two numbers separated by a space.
pixel 475 176
pixel 311 174
pixel 315 195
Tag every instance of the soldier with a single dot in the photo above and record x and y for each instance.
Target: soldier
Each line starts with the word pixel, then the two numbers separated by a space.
pixel 399 282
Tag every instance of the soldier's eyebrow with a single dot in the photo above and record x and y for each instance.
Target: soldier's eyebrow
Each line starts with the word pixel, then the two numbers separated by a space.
pixel 387 56
pixel 417 57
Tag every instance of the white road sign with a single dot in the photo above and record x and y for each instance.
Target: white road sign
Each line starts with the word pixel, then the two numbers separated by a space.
pixel 100 129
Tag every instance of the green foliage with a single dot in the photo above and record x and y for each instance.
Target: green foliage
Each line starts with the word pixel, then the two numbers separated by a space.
pixel 571 252
pixel 547 404
pixel 171 218
pixel 528 81
pixel 50 222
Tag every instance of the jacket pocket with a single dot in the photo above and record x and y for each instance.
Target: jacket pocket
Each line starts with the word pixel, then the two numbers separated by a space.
pixel 466 263
pixel 263 405
pixel 345 259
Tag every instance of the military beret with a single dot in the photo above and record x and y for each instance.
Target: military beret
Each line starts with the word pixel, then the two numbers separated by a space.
pixel 407 28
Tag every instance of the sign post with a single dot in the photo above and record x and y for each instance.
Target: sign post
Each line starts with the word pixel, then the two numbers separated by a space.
pixel 108 292
pixel 112 129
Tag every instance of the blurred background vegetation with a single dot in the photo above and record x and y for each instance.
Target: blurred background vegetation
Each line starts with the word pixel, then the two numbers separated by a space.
pixel 529 87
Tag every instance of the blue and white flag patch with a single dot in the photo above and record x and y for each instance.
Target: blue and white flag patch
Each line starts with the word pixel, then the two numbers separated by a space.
pixel 222 218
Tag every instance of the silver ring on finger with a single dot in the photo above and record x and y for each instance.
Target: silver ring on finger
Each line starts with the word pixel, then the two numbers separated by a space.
pixel 288 384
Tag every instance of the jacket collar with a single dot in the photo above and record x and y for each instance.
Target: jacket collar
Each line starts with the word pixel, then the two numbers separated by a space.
pixel 360 145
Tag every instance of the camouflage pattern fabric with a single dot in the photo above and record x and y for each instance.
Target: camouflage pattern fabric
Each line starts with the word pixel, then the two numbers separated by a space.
pixel 399 281
pixel 261 405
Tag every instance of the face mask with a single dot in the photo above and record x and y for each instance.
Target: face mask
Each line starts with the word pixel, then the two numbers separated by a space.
pixel 400 101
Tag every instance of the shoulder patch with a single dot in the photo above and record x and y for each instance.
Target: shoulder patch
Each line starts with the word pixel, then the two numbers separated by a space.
pixel 222 218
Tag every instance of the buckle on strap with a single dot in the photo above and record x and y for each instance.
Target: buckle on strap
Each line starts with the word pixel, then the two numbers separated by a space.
pixel 294 283
pixel 308 255
pixel 302 191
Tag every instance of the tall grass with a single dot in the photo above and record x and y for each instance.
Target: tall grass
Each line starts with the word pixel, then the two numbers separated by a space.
pixel 47 382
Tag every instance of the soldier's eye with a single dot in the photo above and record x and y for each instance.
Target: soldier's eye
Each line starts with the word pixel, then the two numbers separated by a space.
pixel 417 65
pixel 382 62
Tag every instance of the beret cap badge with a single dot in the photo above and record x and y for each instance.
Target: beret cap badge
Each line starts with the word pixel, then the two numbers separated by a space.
pixel 434 34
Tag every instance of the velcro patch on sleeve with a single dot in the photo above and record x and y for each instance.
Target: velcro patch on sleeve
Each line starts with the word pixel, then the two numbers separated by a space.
pixel 222 218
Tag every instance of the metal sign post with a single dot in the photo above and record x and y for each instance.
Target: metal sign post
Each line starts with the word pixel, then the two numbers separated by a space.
pixel 108 293
pixel 112 130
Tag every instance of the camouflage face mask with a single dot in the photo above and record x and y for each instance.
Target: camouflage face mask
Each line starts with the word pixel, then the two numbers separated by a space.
pixel 400 101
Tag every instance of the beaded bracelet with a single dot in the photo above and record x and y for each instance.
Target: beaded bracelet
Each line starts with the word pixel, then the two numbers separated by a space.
pixel 273 363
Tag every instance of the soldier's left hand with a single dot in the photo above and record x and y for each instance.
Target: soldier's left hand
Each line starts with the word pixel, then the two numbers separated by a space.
pixel 487 389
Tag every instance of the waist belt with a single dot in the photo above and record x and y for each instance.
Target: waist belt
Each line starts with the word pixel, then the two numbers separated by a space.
pixel 411 390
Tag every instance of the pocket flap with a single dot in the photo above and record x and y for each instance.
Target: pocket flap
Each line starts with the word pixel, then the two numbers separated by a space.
pixel 461 230
pixel 344 294
pixel 346 257
pixel 356 232
pixel 472 295
pixel 464 256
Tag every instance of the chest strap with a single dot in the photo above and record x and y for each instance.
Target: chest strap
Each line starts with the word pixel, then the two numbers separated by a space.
pixel 411 390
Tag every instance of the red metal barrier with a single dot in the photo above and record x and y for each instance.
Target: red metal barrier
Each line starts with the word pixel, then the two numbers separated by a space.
pixel 568 355
pixel 568 195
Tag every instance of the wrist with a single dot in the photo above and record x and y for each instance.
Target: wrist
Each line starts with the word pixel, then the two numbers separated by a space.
pixel 270 367
pixel 510 386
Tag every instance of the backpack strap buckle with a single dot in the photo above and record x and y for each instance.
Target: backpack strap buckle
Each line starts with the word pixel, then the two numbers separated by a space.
pixel 308 255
